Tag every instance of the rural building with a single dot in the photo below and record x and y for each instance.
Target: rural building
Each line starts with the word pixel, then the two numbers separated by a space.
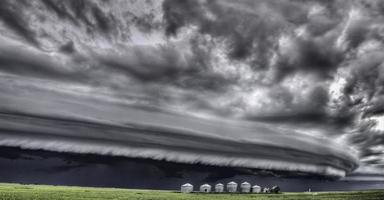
pixel 275 189
pixel 187 188
pixel 266 190
pixel 219 187
pixel 232 187
pixel 205 188
pixel 256 189
pixel 245 187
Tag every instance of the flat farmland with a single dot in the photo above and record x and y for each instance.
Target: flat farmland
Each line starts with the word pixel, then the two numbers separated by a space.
pixel 45 192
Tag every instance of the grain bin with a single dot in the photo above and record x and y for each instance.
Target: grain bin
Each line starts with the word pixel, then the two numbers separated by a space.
pixel 232 187
pixel 219 187
pixel 186 188
pixel 256 189
pixel 205 188
pixel 245 187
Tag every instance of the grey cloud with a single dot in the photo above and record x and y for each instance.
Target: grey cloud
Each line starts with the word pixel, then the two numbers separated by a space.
pixel 104 22
pixel 30 63
pixel 78 124
pixel 146 22
pixel 240 29
pixel 76 12
pixel 377 109
pixel 91 18
pixel 311 111
pixel 310 119
pixel 253 38
pixel 13 16
pixel 366 83
pixel 319 57
pixel 59 8
pixel 166 65
pixel 69 47
pixel 365 139
pixel 128 140
pixel 253 35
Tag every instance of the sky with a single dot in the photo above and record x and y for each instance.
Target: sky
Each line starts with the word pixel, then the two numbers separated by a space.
pixel 289 86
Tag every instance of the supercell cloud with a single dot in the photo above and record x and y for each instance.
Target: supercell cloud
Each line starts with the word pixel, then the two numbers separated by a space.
pixel 292 86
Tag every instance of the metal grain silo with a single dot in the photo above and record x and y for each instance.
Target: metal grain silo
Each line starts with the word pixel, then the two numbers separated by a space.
pixel 245 187
pixel 205 188
pixel 232 187
pixel 256 189
pixel 186 188
pixel 219 187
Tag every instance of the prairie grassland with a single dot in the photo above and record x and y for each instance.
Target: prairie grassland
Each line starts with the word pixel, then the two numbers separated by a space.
pixel 45 192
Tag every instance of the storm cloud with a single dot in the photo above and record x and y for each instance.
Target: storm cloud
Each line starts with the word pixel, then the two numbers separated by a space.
pixel 293 85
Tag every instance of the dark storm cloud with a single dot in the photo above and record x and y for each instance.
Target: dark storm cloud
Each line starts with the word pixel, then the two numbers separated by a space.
pixel 13 16
pixel 314 56
pixel 365 138
pixel 366 83
pixel 311 112
pixel 59 8
pixel 94 18
pixel 363 93
pixel 308 118
pixel 165 65
pixel 241 29
pixel 104 22
pixel 145 23
pixel 154 75
pixel 181 145
pixel 76 11
pixel 253 35
pixel 329 39
pixel 29 63
pixel 69 169
pixel 69 47
pixel 251 31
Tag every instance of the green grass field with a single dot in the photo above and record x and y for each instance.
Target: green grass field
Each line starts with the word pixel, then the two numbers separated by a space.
pixel 40 192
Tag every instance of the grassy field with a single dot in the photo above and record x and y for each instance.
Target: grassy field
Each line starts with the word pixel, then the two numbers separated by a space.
pixel 40 192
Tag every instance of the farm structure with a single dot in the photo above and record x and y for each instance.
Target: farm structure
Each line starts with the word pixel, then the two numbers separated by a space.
pixel 256 189
pixel 219 188
pixel 187 188
pixel 205 188
pixel 231 187
pixel 245 187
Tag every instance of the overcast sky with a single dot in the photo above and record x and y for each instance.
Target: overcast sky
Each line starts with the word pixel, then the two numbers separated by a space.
pixel 295 86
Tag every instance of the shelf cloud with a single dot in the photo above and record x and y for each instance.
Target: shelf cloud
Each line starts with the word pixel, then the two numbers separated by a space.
pixel 294 86
pixel 193 142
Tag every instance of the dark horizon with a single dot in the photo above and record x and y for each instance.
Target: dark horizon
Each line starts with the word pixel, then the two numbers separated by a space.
pixel 92 170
